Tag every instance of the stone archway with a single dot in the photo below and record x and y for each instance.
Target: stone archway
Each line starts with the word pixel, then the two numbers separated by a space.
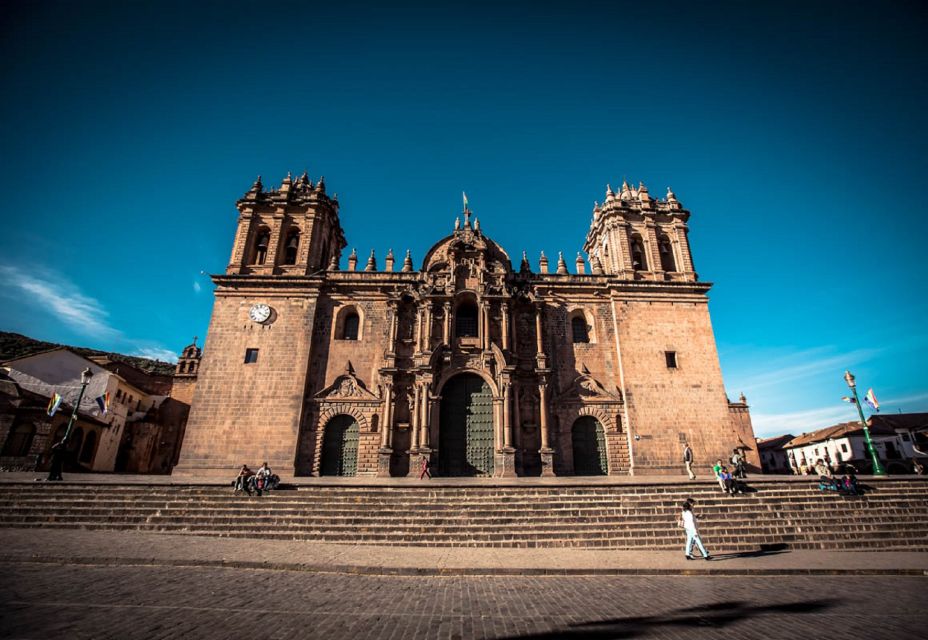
pixel 465 427
pixel 340 447
pixel 589 447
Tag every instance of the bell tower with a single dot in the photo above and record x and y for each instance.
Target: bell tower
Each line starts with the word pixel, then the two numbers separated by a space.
pixel 291 230
pixel 637 237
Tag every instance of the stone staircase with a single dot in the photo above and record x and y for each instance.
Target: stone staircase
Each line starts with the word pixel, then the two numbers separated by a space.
pixel 893 515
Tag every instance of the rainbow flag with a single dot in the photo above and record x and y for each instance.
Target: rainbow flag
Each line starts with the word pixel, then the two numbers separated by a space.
pixel 871 400
pixel 53 404
pixel 104 402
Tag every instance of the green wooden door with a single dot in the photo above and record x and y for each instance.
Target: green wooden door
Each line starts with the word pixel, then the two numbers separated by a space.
pixel 465 428
pixel 589 442
pixel 340 447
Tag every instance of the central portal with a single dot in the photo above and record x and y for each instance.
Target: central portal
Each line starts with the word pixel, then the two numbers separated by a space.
pixel 465 428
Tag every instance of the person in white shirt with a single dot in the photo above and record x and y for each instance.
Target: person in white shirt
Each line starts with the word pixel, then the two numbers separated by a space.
pixel 688 522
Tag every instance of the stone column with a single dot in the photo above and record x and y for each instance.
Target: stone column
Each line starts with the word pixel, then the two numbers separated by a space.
pixel 424 416
pixel 481 325
pixel 414 419
pixel 505 325
pixel 538 339
pixel 654 251
pixel 428 327
pixel 446 324
pixel 394 323
pixel 507 424
pixel 517 424
pixel 418 328
pixel 546 452
pixel 386 433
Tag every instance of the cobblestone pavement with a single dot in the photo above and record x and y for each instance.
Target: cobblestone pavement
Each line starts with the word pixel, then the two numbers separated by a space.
pixel 56 601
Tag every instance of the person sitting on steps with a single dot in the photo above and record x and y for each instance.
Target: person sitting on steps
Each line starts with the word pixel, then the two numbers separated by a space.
pixel 729 485
pixel 244 480
pixel 717 472
pixel 737 462
pixel 265 480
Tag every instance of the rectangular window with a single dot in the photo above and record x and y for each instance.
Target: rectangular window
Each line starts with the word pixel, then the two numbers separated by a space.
pixel 844 447
pixel 251 356
pixel 671 357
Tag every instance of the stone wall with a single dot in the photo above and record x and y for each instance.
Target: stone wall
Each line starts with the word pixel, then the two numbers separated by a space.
pixel 249 413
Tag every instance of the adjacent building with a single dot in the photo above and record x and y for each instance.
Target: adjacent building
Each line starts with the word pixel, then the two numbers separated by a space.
pixel 773 456
pixel 140 430
pixel 482 366
pixel 892 438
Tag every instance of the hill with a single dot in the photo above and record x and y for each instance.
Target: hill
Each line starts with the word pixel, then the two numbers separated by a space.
pixel 15 345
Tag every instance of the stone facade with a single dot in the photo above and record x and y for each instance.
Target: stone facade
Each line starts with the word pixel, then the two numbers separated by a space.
pixel 605 369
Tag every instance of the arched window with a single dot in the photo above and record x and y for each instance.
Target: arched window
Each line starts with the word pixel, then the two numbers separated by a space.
pixel 90 443
pixel 579 330
pixel 350 328
pixel 638 257
pixel 291 247
pixel 666 251
pixel 20 440
pixel 261 243
pixel 465 320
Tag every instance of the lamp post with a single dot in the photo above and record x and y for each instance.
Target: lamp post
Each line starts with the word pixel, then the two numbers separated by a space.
pixel 86 375
pixel 852 385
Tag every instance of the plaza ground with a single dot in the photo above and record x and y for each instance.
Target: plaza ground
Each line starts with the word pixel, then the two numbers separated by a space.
pixel 127 602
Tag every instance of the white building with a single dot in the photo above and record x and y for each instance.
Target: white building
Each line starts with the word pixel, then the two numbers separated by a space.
pixel 845 443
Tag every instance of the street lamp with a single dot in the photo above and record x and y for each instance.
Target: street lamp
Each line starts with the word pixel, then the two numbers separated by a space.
pixel 852 385
pixel 86 375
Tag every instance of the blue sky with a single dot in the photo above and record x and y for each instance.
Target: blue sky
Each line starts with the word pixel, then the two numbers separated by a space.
pixel 794 132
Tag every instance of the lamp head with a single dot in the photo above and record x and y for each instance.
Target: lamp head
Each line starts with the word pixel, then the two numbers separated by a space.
pixel 86 375
pixel 849 378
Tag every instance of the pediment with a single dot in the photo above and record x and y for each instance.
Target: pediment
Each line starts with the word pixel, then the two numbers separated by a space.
pixel 346 387
pixel 586 387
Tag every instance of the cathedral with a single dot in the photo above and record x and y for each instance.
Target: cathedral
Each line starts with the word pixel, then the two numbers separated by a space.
pixel 477 365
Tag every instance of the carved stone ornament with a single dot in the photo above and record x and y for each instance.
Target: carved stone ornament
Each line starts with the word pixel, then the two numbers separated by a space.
pixel 346 387
pixel 586 387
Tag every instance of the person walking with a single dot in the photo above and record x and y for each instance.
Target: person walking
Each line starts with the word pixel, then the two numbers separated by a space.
pixel 688 522
pixel 688 460
pixel 59 450
pixel 424 467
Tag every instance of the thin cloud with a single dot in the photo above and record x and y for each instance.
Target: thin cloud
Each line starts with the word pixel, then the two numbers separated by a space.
pixel 156 353
pixel 60 298
pixel 796 422
pixel 197 288
pixel 805 364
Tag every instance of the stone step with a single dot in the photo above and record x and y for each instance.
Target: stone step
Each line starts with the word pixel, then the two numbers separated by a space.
pixel 580 538
pixel 715 497
pixel 569 530
pixel 756 514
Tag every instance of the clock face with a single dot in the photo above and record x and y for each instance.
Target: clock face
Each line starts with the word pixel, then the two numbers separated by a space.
pixel 259 313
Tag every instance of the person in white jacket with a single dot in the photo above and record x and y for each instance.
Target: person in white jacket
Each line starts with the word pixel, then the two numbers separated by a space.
pixel 688 522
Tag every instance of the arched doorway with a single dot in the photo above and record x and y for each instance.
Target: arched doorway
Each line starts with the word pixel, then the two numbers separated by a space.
pixel 465 428
pixel 340 447
pixel 589 444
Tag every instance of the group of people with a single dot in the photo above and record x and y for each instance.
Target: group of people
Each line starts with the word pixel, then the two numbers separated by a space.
pixel 255 482
pixel 827 481
pixel 731 480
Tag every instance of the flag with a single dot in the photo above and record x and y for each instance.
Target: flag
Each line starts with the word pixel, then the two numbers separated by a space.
pixel 465 200
pixel 104 402
pixel 53 404
pixel 849 399
pixel 871 400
